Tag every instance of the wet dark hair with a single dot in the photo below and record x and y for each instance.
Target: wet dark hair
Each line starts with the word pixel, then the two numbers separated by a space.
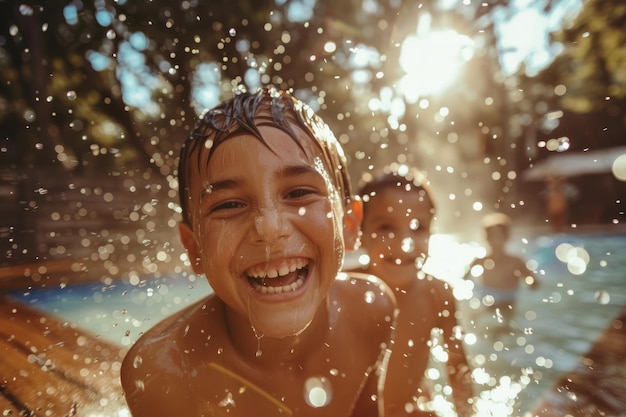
pixel 497 221
pixel 401 177
pixel 244 114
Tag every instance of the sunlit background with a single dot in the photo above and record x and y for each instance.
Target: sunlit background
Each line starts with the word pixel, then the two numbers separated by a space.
pixel 490 99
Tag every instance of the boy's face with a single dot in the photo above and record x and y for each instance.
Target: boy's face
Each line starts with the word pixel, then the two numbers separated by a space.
pixel 496 236
pixel 396 230
pixel 267 229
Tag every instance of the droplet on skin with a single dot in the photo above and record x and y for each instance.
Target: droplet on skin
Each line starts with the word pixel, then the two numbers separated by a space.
pixel 317 391
pixel 228 400
pixel 140 385
pixel 137 361
pixel 408 245
pixel 26 10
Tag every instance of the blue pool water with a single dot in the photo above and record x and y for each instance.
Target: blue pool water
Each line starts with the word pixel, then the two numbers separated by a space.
pixel 118 313
pixel 578 298
pixel 582 288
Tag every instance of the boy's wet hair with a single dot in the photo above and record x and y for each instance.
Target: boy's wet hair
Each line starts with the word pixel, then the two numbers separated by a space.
pixel 397 176
pixel 244 114
pixel 497 220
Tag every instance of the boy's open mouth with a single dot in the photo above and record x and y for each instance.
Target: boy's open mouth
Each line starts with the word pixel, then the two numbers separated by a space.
pixel 289 275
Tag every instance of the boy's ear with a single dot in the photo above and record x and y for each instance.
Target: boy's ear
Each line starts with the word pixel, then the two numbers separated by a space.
pixel 352 228
pixel 191 244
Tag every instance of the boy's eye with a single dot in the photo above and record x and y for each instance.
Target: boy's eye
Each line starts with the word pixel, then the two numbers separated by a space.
pixel 226 205
pixel 299 192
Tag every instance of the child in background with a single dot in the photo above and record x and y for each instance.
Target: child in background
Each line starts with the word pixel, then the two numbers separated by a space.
pixel 398 209
pixel 267 213
pixel 497 276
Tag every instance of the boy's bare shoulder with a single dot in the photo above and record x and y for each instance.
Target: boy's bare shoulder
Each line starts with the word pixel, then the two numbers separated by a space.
pixel 437 289
pixel 364 294
pixel 157 372
pixel 354 283
pixel 160 349
pixel 174 325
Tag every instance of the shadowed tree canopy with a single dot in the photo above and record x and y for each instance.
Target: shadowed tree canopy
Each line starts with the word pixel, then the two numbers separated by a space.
pixel 111 88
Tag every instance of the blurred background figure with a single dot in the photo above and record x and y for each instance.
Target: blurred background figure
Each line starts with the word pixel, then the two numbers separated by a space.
pixel 559 194
pixel 497 275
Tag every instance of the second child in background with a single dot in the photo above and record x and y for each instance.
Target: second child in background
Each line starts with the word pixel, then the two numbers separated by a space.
pixel 398 209
pixel 498 274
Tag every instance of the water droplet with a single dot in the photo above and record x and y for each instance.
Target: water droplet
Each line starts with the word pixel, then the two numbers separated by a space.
pixel 408 245
pixel 140 385
pixel 71 95
pixel 137 361
pixel 370 297
pixel 499 316
pixel 603 297
pixel 26 10
pixel 228 400
pixel 302 211
pixel 111 34
pixel 317 391
pixel 29 115
pixel 232 32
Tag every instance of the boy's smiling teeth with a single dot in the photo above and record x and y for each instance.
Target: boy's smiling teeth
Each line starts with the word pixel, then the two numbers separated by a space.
pixel 288 275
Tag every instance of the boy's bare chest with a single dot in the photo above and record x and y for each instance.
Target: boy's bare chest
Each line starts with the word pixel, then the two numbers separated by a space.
pixel 503 274
pixel 325 382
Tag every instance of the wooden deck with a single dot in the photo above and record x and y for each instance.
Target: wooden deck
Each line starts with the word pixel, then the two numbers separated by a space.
pixel 596 387
pixel 51 368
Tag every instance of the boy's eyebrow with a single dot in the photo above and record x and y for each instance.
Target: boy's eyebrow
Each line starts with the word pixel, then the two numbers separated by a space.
pixel 220 185
pixel 288 171
pixel 296 170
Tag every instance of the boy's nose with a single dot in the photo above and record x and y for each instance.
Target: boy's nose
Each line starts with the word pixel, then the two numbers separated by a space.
pixel 269 225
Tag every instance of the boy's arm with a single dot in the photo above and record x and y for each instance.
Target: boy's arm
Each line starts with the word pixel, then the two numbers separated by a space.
pixel 152 391
pixel 529 277
pixel 468 269
pixel 373 325
pixel 402 375
pixel 457 367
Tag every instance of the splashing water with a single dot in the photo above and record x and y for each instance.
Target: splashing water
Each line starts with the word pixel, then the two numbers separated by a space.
pixel 408 245
pixel 228 400
pixel 317 391
pixel 370 297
